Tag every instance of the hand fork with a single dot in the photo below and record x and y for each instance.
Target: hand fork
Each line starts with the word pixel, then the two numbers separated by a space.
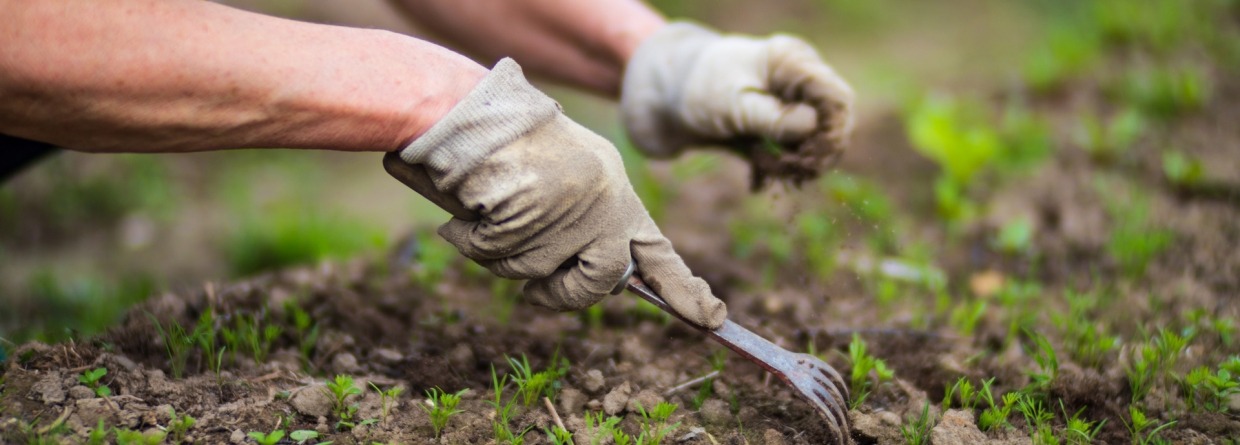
pixel 815 381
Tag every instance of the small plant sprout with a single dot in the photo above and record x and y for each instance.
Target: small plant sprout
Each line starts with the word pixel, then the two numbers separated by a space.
pixel 1037 418
pixel 963 389
pixel 177 343
pixel 441 406
pixel 916 431
pixel 532 385
pixel 303 436
pixel 92 379
pixel 1079 431
pixel 125 436
pixel 307 331
pixel 179 427
pixel 1210 391
pixel 501 423
pixel 996 414
pixel 272 438
pixel 558 436
pixel 1015 237
pixel 1048 364
pixel 98 435
pixel 1143 429
pixel 1151 361
pixel 340 389
pixel 598 429
pixel 654 425
pixel 863 366
pixel 387 398
pixel 1086 342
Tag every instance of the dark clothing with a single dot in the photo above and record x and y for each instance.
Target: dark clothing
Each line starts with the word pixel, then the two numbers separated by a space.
pixel 16 153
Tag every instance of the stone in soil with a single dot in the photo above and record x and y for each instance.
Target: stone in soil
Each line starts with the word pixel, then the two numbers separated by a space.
pixel 716 412
pixel 956 428
pixel 571 400
pixel 593 381
pixel 646 399
pixel 616 400
pixel 883 426
pixel 313 400
pixel 49 389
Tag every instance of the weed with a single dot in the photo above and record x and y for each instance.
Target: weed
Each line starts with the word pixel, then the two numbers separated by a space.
pixel 1085 341
pixel 964 391
pixel 1165 92
pixel 1210 391
pixel 598 429
pixel 654 423
pixel 179 427
pixel 1069 51
pixel 204 335
pixel 441 406
pixel 91 378
pixel 387 397
pixel 863 365
pixel 501 423
pixel 532 385
pixel 1105 142
pixel 177 343
pixel 1079 431
pixel 1134 242
pixel 718 360
pixel 1015 237
pixel 1143 429
pixel 965 318
pixel 1048 363
pixel 1182 170
pixel 307 331
pixel 996 415
pixel 340 389
pixel 98 435
pixel 272 438
pixel 303 436
pixel 1150 362
pixel 1037 417
pixel 558 436
pixel 256 338
pixel 125 436
pixel 916 431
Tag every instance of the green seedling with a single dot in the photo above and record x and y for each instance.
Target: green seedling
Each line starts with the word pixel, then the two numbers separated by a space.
pixel 340 389
pixel 718 360
pixel 1143 429
pixel 1150 362
pixel 204 335
pixel 916 431
pixel 179 427
pixel 177 343
pixel 1085 341
pixel 98 435
pixel 303 436
pixel 532 385
pixel 1210 391
pixel 1079 431
pixel 1166 92
pixel 125 436
pixel 965 392
pixel 307 331
pixel 1134 242
pixel 501 424
pixel 272 438
pixel 254 338
pixel 441 406
pixel 598 429
pixel 1037 418
pixel 1048 364
pixel 386 398
pixel 1107 141
pixel 965 317
pixel 92 379
pixel 654 423
pixel 1015 237
pixel 558 436
pixel 996 415
pixel 868 372
pixel 1182 170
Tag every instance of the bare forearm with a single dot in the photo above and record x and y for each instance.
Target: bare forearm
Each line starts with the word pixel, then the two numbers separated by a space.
pixel 171 75
pixel 581 43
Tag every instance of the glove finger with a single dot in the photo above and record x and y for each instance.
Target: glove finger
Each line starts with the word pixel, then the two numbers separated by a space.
pixel 537 263
pixel 797 72
pixel 666 273
pixel 599 267
pixel 767 115
pixel 472 239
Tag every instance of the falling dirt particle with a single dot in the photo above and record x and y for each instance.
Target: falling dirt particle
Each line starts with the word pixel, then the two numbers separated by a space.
pixel 616 400
pixel 571 400
pixel 647 399
pixel 956 428
pixel 593 381
pixel 312 400
pixel 772 437
pixel 716 412
pixel 883 427
pixel 48 389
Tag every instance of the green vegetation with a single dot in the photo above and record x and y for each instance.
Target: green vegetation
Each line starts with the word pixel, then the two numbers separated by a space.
pixel 1048 364
pixel 64 305
pixel 1134 242
pixel 1079 431
pixel 1208 390
pixel 867 373
pixel 177 343
pixel 558 436
pixel 272 438
pixel 92 379
pixel 1150 363
pixel 504 411
pixel 654 427
pixel 1143 429
pixel 125 436
pixel 340 389
pixel 289 236
pixel 916 431
pixel 532 385
pixel 441 406
pixel 598 429
pixel 99 434
pixel 1085 339
pixel 1182 170
pixel 179 426
pixel 387 397
pixel 249 334
pixel 303 436
pixel 1107 141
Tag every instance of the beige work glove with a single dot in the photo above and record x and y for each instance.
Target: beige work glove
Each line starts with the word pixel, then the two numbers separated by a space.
pixel 771 99
pixel 536 196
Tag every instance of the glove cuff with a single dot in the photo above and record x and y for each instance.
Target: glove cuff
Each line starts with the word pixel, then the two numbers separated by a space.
pixel 502 108
pixel 654 83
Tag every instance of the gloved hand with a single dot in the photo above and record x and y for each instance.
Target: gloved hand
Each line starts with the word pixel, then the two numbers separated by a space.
pixel 688 85
pixel 530 190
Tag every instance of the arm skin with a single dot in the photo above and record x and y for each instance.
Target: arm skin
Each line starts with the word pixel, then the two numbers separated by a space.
pixel 582 43
pixel 183 75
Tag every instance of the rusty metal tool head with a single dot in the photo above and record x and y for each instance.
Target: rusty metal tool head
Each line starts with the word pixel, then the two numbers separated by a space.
pixel 815 381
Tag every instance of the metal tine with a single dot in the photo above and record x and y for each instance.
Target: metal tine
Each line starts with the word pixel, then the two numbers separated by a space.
pixel 832 421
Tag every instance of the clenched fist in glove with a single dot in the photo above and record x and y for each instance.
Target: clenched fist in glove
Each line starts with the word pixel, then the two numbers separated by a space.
pixel 772 99
pixel 531 191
